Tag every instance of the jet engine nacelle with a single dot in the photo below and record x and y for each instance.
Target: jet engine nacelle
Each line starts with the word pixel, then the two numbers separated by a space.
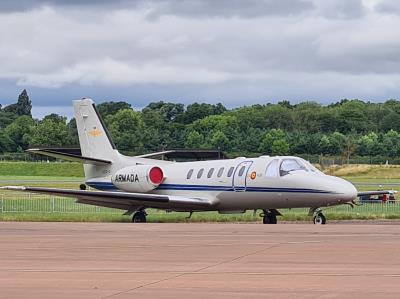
pixel 139 178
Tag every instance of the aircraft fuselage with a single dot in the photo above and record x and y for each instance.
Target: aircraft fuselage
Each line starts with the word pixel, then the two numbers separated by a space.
pixel 245 183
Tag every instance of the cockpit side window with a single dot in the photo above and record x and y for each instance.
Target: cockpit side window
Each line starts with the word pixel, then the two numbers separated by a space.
pixel 272 169
pixel 288 165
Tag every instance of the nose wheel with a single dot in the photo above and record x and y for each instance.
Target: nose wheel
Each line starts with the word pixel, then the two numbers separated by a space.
pixel 319 218
pixel 139 217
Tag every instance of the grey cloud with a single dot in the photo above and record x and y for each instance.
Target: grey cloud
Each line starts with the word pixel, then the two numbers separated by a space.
pixel 388 6
pixel 341 9
pixel 80 49
pixel 26 5
pixel 181 8
pixel 231 8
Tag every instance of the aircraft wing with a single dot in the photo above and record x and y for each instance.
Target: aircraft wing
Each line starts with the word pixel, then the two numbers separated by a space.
pixel 122 200
pixel 380 192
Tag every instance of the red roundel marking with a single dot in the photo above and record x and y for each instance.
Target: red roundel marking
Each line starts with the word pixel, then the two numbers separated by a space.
pixel 156 175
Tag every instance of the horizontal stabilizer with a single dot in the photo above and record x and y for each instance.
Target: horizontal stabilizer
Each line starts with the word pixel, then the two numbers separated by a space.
pixel 73 157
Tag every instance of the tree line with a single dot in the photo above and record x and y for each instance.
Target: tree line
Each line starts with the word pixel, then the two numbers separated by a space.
pixel 344 128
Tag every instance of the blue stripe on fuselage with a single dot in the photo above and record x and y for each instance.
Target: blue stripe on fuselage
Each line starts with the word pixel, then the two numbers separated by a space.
pixel 110 186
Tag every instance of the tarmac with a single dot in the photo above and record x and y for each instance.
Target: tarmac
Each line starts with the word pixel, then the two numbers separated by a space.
pixel 192 260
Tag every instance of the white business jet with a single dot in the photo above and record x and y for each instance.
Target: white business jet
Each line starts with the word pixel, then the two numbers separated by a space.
pixel 227 186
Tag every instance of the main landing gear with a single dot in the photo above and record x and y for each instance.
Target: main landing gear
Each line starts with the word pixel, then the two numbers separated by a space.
pixel 139 217
pixel 318 217
pixel 269 216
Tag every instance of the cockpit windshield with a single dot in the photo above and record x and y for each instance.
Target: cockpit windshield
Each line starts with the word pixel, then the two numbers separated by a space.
pixel 311 167
pixel 289 165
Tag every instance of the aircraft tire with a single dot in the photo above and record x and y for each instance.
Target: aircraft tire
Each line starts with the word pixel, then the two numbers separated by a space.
pixel 139 217
pixel 319 219
pixel 270 218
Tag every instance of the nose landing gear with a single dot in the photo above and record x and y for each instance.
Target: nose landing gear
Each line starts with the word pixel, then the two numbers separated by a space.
pixel 318 217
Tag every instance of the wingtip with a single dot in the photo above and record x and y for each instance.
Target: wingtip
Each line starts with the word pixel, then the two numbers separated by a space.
pixel 15 188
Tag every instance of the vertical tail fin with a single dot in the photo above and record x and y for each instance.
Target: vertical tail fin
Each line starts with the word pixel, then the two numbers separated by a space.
pixel 94 138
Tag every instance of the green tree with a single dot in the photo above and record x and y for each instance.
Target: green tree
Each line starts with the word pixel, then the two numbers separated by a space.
pixel 391 121
pixel 391 143
pixel 324 145
pixel 353 116
pixel 48 133
pixel 280 147
pixel 194 140
pixel 126 128
pixel 248 141
pixel 207 126
pixel 72 130
pixel 337 142
pixel 275 137
pixel 6 144
pixel 367 144
pixel 19 132
pixel 6 118
pixel 220 141
pixel 111 108
pixel 169 112
pixel 55 117
pixel 277 117
pixel 22 107
pixel 349 147
pixel 198 111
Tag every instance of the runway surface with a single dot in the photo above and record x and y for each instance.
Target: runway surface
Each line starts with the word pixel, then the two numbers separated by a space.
pixel 106 260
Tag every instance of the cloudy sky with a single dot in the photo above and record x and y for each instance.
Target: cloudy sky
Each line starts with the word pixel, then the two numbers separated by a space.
pixel 231 51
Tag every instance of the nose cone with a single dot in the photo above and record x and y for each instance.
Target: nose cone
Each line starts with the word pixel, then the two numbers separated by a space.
pixel 346 190
pixel 350 192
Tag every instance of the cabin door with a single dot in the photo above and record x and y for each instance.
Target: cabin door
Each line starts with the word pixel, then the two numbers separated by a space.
pixel 240 176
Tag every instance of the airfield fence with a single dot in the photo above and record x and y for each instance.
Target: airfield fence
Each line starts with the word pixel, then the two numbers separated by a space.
pixel 11 202
pixel 15 202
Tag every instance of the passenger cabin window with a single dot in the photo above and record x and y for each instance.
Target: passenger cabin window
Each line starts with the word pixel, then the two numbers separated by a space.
pixel 220 172
pixel 189 174
pixel 200 173
pixel 210 172
pixel 289 165
pixel 272 169
pixel 241 171
pixel 230 171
